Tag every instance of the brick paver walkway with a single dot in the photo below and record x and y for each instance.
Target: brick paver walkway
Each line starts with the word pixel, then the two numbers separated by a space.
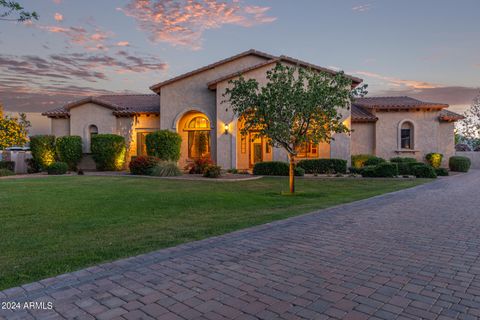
pixel 413 254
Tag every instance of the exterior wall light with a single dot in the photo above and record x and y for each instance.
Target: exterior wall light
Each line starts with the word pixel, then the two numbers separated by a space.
pixel 226 128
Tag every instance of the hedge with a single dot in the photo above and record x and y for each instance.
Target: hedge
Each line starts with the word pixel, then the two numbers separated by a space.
pixel 403 160
pixel 321 166
pixel 424 171
pixel 382 170
pixel 9 165
pixel 57 168
pixel 43 150
pixel 275 168
pixel 459 164
pixel 5 172
pixel 69 150
pixel 108 151
pixel 143 165
pixel 164 144
pixel 441 172
pixel 358 160
pixel 434 159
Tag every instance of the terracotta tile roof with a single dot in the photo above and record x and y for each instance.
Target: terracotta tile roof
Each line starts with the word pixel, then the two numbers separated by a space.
pixel 269 57
pixel 447 115
pixel 121 104
pixel 157 86
pixel 212 84
pixel 389 103
pixel 361 115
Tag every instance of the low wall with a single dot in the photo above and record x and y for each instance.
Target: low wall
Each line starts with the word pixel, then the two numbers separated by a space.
pixel 473 156
pixel 19 158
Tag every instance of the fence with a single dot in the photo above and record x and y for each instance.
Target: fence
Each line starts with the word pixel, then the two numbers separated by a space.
pixel 18 157
pixel 474 156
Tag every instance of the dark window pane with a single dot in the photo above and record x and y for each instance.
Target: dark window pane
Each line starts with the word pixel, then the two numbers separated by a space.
pixel 406 139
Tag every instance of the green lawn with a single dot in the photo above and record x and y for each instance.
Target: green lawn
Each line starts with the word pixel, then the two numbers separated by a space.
pixel 54 225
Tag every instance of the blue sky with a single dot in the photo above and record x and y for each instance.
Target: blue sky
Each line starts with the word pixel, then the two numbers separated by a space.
pixel 425 49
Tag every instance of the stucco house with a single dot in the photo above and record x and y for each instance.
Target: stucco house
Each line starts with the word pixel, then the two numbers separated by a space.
pixel 191 104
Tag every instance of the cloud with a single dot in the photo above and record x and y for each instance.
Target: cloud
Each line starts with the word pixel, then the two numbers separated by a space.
pixel 395 82
pixel 123 43
pixel 58 17
pixel 362 7
pixel 57 1
pixel 183 22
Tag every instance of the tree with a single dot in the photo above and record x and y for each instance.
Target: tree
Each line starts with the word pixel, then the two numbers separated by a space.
pixel 469 128
pixel 297 105
pixel 9 8
pixel 13 130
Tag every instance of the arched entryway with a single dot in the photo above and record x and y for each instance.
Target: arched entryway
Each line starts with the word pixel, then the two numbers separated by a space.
pixel 196 131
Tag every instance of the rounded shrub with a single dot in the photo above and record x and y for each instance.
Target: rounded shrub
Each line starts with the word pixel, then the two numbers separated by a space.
pixel 69 150
pixel 382 170
pixel 275 168
pixel 358 160
pixel 108 151
pixel 57 168
pixel 6 172
pixel 434 159
pixel 403 160
pixel 43 150
pixel 166 169
pixel 212 171
pixel 459 164
pixel 164 144
pixel 373 161
pixel 424 171
pixel 321 166
pixel 9 165
pixel 405 165
pixel 441 172
pixel 198 166
pixel 143 165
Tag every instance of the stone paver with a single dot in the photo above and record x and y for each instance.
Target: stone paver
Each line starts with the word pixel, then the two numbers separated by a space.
pixel 412 254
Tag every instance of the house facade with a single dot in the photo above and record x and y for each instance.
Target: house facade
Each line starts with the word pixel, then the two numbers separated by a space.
pixel 192 105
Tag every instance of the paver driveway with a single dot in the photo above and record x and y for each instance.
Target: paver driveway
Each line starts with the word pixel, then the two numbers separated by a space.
pixel 413 254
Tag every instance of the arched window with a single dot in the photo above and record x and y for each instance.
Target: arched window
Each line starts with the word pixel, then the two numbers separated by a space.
pixel 92 130
pixel 406 135
pixel 198 137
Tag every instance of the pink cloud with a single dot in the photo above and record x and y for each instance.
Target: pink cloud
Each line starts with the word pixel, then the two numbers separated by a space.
pixel 395 82
pixel 90 40
pixel 123 44
pixel 58 17
pixel 57 1
pixel 183 22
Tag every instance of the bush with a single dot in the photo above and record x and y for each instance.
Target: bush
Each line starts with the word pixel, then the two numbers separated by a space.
pixel 198 166
pixel 212 171
pixel 321 166
pixel 32 165
pixel 69 150
pixel 403 160
pixel 108 151
pixel 143 165
pixel 373 161
pixel 424 171
pixel 164 144
pixel 358 160
pixel 405 165
pixel 382 170
pixel 434 159
pixel 5 172
pixel 43 150
pixel 9 165
pixel 57 168
pixel 459 164
pixel 355 170
pixel 441 172
pixel 275 168
pixel 166 169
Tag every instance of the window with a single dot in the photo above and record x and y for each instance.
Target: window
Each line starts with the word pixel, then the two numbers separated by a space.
pixel 406 136
pixel 198 138
pixel 92 130
pixel 141 143
pixel 307 150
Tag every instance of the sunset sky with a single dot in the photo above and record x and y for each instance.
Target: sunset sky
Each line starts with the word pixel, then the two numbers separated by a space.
pixel 425 49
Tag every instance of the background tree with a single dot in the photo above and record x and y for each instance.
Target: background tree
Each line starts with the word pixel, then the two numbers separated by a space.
pixel 296 105
pixel 15 9
pixel 13 130
pixel 469 128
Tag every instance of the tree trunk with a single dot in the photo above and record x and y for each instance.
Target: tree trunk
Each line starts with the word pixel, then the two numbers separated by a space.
pixel 291 172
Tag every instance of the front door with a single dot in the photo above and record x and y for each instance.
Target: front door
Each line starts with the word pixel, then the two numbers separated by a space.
pixel 256 149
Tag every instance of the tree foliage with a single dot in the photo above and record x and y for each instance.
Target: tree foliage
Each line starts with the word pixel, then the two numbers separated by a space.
pixel 470 126
pixel 15 9
pixel 13 130
pixel 295 106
